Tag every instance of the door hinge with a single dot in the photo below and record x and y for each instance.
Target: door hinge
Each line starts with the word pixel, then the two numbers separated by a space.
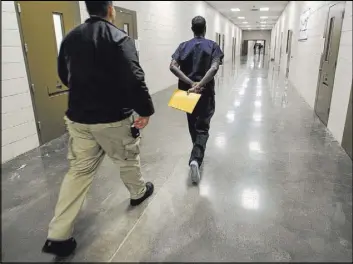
pixel 26 48
pixel 39 126
pixel 343 14
pixel 328 111
pixel 32 87
pixel 19 8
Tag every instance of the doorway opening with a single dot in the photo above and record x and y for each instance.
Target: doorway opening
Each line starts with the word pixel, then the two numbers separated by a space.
pixel 256 47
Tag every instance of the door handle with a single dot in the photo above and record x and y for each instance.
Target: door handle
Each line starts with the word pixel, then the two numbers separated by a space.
pixel 59 85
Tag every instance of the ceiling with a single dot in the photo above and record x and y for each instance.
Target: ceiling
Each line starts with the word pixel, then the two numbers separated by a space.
pixel 248 15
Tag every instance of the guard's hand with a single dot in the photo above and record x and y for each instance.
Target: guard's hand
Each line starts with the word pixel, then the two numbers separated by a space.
pixel 141 122
pixel 195 88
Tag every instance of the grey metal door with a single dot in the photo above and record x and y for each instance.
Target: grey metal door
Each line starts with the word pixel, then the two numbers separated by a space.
pixel 244 50
pixel 280 51
pixel 289 50
pixel 223 41
pixel 274 50
pixel 235 48
pixel 42 34
pixel 347 134
pixel 329 61
pixel 126 20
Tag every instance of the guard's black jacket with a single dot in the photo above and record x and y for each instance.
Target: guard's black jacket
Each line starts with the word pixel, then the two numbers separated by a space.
pixel 99 64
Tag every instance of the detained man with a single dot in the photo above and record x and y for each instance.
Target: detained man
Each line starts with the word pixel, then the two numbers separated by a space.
pixel 195 63
pixel 99 64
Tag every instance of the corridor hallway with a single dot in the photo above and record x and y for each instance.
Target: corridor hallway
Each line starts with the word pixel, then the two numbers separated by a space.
pixel 275 186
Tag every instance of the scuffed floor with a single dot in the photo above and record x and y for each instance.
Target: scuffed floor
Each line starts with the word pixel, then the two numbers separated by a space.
pixel 275 186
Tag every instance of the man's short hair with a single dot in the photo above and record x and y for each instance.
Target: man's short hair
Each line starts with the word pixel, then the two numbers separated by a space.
pixel 198 25
pixel 98 8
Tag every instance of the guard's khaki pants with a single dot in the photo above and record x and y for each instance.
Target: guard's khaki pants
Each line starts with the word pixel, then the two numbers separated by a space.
pixel 87 147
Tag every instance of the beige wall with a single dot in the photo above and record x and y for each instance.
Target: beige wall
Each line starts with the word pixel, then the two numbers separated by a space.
pixel 161 27
pixel 304 66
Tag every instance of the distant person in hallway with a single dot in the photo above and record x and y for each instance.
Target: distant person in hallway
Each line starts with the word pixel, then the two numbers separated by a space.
pixel 99 64
pixel 260 48
pixel 195 63
pixel 255 47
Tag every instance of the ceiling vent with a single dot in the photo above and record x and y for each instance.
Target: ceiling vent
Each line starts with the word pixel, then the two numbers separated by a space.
pixel 254 9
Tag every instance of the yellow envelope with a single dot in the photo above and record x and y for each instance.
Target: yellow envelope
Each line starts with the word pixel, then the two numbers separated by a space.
pixel 183 101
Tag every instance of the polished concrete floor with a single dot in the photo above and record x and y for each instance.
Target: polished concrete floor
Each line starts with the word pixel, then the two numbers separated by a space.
pixel 275 186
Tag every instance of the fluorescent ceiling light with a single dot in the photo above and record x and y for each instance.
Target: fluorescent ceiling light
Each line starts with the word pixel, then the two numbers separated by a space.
pixel 235 9
pixel 263 17
pixel 245 22
pixel 241 17
pixel 264 9
pixel 263 22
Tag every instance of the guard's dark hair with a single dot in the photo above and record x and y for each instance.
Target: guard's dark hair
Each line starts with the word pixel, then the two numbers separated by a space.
pixel 198 25
pixel 98 8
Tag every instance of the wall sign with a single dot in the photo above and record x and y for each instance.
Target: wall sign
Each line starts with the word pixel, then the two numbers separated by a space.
pixel 304 18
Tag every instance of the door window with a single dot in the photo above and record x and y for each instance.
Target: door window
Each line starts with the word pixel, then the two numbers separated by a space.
pixel 58 29
pixel 126 28
pixel 329 38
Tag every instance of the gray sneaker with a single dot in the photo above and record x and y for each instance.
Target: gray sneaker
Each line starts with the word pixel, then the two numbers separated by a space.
pixel 195 172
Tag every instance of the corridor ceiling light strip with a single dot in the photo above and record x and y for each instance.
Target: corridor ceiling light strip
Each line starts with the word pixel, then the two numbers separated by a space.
pixel 241 17
pixel 263 17
pixel 245 22
pixel 264 8
pixel 235 9
pixel 263 22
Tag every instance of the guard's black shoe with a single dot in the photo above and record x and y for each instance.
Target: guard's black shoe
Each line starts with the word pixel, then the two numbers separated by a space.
pixel 148 193
pixel 60 248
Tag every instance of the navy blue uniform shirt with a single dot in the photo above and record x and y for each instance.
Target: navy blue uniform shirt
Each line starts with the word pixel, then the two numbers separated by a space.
pixel 195 58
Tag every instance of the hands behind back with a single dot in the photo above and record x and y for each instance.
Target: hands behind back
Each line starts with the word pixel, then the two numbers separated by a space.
pixel 196 88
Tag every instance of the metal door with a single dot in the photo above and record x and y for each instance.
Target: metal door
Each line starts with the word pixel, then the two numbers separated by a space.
pixel 126 20
pixel 43 26
pixel 347 134
pixel 264 47
pixel 234 49
pixel 289 50
pixel 223 41
pixel 280 51
pixel 274 50
pixel 328 61
pixel 244 50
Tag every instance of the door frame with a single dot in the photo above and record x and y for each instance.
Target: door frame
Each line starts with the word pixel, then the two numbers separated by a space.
pixel 28 72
